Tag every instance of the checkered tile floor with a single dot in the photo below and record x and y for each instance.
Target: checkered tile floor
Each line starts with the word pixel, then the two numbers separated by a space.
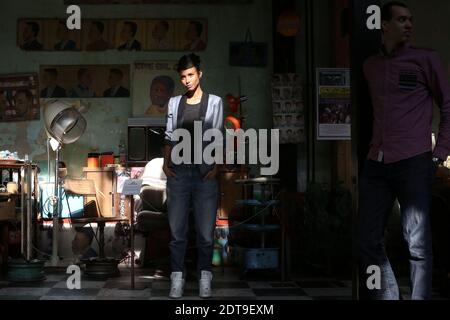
pixel 226 286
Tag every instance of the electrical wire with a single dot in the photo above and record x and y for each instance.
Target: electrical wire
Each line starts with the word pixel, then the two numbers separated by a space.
pixel 256 214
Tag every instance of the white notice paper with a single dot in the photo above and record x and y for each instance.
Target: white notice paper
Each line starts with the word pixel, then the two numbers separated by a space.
pixel 132 187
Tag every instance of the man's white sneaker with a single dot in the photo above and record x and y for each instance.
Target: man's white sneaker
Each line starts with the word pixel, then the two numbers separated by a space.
pixel 176 285
pixel 204 284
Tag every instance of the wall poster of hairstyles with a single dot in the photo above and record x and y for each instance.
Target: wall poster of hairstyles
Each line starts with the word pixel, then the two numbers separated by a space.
pixel 113 34
pixel 154 83
pixel 19 99
pixel 84 81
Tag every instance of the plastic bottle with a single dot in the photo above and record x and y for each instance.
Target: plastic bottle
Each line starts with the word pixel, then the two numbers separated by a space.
pixel 122 153
pixel 122 175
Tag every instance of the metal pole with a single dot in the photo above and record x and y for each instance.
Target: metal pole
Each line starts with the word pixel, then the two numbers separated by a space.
pixel 132 240
pixel 29 207
pixel 55 258
pixel 48 160
pixel 22 211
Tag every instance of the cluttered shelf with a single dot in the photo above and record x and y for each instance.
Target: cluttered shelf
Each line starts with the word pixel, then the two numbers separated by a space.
pixel 19 196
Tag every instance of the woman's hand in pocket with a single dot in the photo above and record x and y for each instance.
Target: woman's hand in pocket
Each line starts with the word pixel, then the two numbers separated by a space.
pixel 211 174
pixel 168 171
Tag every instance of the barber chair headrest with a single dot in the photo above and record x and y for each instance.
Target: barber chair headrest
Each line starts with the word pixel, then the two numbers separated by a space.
pixel 153 199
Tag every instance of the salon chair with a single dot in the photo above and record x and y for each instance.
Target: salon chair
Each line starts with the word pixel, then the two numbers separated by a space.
pixel 151 213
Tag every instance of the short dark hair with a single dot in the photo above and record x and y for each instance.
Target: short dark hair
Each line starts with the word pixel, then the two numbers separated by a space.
pixel 133 26
pixel 164 23
pixel 188 61
pixel 99 25
pixel 81 72
pixel 88 232
pixel 386 11
pixel 198 27
pixel 34 27
pixel 116 71
pixel 53 71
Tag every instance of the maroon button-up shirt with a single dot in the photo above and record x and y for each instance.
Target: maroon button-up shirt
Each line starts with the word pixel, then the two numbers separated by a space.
pixel 403 86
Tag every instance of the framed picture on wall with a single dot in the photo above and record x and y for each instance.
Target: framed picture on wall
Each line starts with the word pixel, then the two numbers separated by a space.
pixel 57 37
pixel 287 107
pixel 130 35
pixel 191 35
pixel 154 83
pixel 333 107
pixel 96 35
pixel 30 34
pixel 160 35
pixel 85 81
pixel 119 34
pixel 19 98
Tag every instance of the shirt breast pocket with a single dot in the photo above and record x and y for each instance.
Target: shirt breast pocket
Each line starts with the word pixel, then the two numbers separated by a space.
pixel 407 80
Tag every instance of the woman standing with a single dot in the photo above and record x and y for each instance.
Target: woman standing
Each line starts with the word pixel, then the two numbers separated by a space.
pixel 188 181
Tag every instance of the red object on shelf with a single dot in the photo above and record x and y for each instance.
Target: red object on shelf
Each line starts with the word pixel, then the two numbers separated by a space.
pixel 222 222
pixel 235 102
pixel 107 158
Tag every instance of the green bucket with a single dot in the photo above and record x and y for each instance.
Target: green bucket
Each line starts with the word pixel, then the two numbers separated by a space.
pixel 25 271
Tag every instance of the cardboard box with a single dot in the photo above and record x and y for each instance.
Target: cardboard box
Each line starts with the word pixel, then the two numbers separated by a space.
pixel 7 210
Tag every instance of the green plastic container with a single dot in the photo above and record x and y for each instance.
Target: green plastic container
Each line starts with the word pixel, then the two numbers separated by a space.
pixel 25 271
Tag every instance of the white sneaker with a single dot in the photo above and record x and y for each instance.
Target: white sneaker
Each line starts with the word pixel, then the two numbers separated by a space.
pixel 204 284
pixel 176 285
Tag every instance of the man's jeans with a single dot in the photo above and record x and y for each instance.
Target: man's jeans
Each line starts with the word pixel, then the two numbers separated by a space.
pixel 409 181
pixel 186 186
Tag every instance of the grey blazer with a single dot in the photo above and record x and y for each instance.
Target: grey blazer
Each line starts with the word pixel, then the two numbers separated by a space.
pixel 211 114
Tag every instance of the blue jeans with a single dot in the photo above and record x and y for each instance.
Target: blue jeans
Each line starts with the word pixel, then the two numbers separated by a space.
pixel 188 186
pixel 409 181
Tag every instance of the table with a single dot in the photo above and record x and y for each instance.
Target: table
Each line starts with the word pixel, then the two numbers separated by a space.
pixel 101 222
pixel 102 267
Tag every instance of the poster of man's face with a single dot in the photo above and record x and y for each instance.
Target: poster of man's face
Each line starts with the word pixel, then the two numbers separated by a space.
pixel 96 35
pixel 130 35
pixel 85 81
pixel 287 106
pixel 276 80
pixel 19 97
pixel 160 35
pixel 277 107
pixel 191 35
pixel 298 106
pixel 30 35
pixel 57 37
pixel 154 84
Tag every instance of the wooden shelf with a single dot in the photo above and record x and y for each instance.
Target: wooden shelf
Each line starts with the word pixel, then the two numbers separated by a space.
pixel 7 194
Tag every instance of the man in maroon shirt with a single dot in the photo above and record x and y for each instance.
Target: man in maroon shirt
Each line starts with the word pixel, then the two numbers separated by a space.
pixel 403 82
